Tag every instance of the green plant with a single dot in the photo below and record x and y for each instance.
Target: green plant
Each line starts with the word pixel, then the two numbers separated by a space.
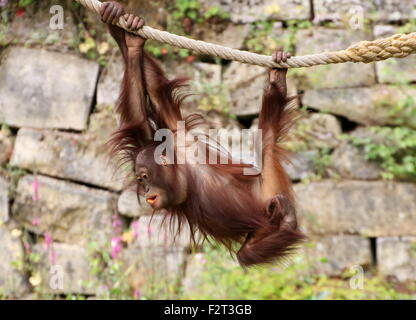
pixel 25 3
pixel 108 274
pixel 322 162
pixel 31 267
pixel 299 138
pixel 216 12
pixel 182 9
pixel 154 48
pixel 408 27
pixel 113 278
pixel 14 174
pixel 4 26
pixel 260 37
pixel 293 26
pixel 404 111
pixel 296 25
pixel 222 278
pixel 183 17
pixel 393 148
pixel 263 38
pixel 191 9
pixel 213 98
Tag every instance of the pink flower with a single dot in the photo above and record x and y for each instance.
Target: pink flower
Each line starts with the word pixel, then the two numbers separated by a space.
pixel 135 228
pixel 48 240
pixel 115 247
pixel 35 222
pixel 52 256
pixel 49 247
pixel 149 230
pixel 117 224
pixel 136 294
pixel 3 3
pixel 26 246
pixel 115 241
pixel 35 189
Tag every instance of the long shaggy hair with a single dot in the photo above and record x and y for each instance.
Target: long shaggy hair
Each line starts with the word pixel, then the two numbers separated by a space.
pixel 221 202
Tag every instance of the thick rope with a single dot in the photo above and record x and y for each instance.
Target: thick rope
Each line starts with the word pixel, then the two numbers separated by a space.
pixel 396 46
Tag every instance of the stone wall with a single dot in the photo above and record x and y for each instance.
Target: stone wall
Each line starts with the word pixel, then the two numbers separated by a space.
pixel 59 192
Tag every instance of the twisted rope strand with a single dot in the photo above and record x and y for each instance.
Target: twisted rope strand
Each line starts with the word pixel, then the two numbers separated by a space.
pixel 396 46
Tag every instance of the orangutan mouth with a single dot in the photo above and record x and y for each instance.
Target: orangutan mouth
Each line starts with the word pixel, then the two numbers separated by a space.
pixel 151 200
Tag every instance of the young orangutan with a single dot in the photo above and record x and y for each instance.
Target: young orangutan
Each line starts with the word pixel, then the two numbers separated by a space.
pixel 219 200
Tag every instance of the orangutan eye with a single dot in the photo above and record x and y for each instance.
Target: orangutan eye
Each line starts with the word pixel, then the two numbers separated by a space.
pixel 143 177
